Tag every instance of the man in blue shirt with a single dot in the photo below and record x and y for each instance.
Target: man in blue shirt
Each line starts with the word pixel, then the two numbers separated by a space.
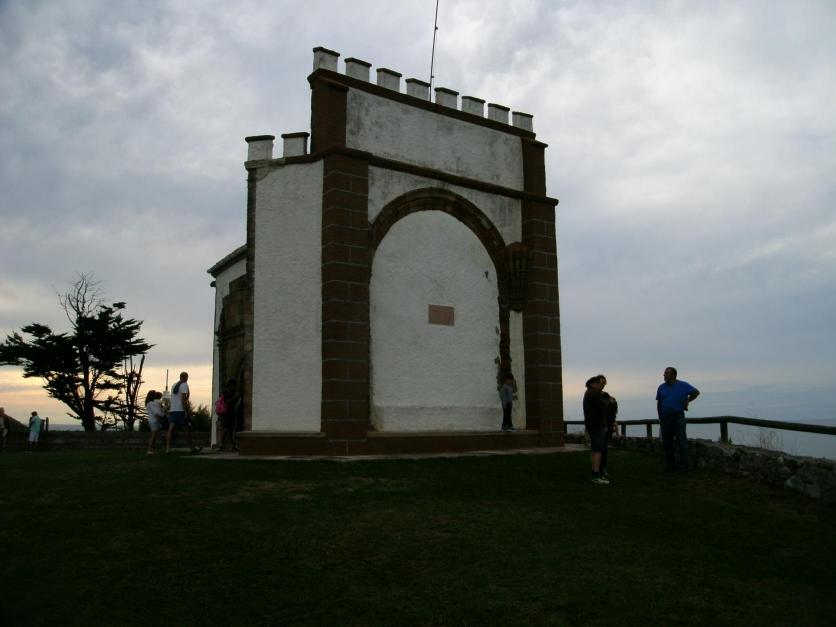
pixel 672 399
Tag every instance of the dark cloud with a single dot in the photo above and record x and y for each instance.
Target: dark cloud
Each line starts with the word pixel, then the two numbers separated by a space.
pixel 692 148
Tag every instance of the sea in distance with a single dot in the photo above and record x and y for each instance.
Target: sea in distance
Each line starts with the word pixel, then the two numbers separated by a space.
pixel 809 405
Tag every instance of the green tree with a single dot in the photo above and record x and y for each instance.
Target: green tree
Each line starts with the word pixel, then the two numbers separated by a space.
pixel 86 368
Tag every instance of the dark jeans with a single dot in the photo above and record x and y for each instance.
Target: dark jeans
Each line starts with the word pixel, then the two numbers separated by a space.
pixel 598 441
pixel 604 453
pixel 674 439
pixel 506 416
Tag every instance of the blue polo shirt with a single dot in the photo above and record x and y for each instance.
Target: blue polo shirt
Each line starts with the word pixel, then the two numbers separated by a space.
pixel 673 397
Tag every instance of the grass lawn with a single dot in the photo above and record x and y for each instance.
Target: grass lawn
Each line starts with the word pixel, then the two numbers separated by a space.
pixel 118 538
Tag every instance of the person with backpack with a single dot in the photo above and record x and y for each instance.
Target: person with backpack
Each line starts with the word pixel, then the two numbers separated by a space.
pixel 178 415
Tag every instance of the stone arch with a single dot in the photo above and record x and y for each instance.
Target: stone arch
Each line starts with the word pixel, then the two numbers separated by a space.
pixel 243 385
pixel 232 335
pixel 437 199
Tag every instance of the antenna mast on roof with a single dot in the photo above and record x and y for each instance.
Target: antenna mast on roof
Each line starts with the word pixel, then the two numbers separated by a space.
pixel 435 32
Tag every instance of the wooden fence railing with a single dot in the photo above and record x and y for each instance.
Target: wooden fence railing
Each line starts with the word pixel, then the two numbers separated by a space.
pixel 724 422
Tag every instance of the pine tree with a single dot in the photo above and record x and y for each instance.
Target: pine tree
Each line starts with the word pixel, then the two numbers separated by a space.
pixel 86 368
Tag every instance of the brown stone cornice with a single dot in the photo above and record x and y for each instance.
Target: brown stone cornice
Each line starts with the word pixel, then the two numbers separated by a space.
pixel 408 168
pixel 335 79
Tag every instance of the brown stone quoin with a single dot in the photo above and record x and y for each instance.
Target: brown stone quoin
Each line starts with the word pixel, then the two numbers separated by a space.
pixel 541 318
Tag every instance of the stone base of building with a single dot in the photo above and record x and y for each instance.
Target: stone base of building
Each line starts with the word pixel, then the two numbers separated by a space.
pixel 281 443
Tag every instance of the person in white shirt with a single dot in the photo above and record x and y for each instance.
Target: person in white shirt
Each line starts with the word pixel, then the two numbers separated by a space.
pixel 154 407
pixel 178 415
pixel 35 425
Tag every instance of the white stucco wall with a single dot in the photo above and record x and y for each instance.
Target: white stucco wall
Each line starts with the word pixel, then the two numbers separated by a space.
pixel 386 185
pixel 400 131
pixel 287 344
pixel 433 377
pixel 222 282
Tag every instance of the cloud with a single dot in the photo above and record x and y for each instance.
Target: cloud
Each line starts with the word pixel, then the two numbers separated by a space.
pixel 692 148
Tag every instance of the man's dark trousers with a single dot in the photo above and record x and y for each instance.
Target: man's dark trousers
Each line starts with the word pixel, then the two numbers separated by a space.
pixel 674 437
pixel 506 416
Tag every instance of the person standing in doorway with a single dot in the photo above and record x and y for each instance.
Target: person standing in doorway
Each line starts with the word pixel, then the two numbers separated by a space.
pixel 178 416
pixel 672 400
pixel 35 423
pixel 506 397
pixel 595 423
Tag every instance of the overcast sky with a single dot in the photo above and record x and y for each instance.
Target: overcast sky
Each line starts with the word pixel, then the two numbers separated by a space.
pixel 692 146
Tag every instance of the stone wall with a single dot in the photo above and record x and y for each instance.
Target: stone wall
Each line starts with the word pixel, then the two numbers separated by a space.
pixel 814 477
pixel 74 440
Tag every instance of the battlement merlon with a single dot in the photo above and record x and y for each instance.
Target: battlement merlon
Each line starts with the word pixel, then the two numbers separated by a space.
pixel 259 147
pixel 295 144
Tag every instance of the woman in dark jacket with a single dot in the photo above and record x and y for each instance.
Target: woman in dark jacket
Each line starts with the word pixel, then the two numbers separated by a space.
pixel 612 425
pixel 595 423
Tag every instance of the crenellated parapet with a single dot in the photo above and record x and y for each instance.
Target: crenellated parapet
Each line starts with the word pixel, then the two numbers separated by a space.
pixel 388 83
pixel 389 79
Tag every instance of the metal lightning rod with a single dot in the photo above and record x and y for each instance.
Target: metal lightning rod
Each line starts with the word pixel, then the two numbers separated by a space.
pixel 432 58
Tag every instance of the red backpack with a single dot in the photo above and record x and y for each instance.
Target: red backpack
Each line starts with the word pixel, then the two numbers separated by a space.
pixel 220 405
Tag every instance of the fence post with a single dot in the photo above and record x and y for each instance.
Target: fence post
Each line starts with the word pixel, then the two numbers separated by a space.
pixel 724 432
pixel 649 430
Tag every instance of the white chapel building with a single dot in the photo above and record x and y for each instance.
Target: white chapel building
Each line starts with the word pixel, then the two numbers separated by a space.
pixel 400 260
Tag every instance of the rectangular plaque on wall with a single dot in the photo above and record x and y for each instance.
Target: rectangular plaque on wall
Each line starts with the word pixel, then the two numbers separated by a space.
pixel 440 314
